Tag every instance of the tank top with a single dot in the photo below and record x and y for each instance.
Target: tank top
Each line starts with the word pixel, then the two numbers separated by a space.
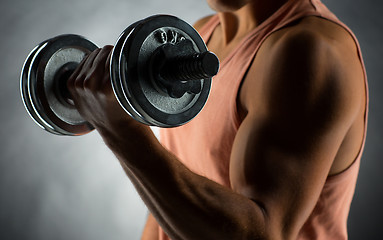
pixel 205 143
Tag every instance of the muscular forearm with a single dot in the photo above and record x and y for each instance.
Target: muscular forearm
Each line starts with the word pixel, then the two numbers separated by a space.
pixel 186 205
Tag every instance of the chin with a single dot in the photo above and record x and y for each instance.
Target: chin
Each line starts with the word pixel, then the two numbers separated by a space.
pixel 226 5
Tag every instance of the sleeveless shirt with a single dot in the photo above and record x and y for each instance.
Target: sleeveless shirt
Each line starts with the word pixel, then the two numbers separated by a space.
pixel 205 143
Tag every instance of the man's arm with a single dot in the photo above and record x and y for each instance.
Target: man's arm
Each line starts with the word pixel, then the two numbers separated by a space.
pixel 150 231
pixel 280 159
pixel 313 91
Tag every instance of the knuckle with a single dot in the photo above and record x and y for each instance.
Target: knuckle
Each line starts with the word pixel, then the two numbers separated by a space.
pixel 78 82
pixel 92 80
pixel 88 83
pixel 108 47
pixel 96 51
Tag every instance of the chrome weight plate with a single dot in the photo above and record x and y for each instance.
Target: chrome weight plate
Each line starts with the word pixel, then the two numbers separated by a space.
pixel 40 89
pixel 24 88
pixel 121 95
pixel 155 107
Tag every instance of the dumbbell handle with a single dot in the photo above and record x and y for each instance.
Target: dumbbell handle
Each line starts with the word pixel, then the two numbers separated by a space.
pixel 177 68
pixel 194 67
pixel 61 80
pixel 174 76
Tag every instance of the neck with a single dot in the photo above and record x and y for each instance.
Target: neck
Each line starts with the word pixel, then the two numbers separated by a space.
pixel 237 24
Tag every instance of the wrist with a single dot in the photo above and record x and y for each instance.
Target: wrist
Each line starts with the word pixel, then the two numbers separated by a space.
pixel 128 139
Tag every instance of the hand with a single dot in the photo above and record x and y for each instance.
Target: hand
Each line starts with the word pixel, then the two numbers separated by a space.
pixel 92 92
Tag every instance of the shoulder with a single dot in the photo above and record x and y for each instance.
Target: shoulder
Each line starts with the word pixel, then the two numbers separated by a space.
pixel 317 40
pixel 201 22
pixel 321 49
pixel 306 60
pixel 314 36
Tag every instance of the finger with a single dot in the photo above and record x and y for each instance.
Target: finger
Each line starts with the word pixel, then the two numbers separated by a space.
pixel 107 63
pixel 102 57
pixel 90 59
pixel 85 69
pixel 74 75
pixel 106 80
pixel 96 74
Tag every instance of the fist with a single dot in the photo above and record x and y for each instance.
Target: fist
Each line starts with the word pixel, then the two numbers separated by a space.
pixel 92 93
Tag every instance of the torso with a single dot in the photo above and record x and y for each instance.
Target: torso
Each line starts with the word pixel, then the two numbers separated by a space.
pixel 350 146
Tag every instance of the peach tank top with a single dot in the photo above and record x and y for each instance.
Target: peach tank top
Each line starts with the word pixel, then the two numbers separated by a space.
pixel 205 143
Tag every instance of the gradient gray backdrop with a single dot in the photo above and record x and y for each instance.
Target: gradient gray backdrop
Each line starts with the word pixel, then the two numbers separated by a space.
pixel 72 187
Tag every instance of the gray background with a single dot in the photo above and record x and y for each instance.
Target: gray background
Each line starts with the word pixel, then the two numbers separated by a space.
pixel 72 187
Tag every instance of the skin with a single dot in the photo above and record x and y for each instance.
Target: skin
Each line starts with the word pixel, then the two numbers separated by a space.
pixel 302 107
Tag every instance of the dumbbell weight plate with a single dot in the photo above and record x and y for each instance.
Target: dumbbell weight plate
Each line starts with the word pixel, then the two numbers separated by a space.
pixel 24 86
pixel 39 86
pixel 122 96
pixel 141 96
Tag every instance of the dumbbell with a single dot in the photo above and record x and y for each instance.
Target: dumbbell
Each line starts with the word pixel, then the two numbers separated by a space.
pixel 160 71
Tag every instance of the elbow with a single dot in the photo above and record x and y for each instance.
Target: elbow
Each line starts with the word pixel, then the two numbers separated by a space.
pixel 266 224
pixel 256 225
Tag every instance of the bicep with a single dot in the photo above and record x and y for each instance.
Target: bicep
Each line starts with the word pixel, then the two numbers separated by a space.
pixel 273 164
pixel 281 157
